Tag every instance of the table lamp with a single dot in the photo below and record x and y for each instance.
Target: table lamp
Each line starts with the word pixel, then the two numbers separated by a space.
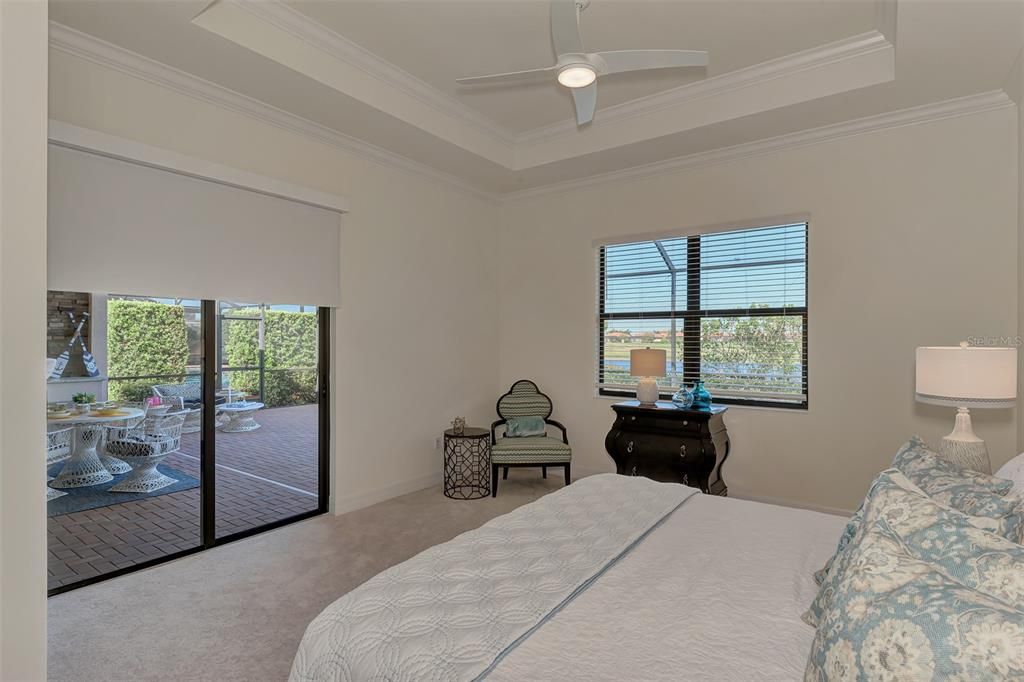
pixel 647 364
pixel 964 377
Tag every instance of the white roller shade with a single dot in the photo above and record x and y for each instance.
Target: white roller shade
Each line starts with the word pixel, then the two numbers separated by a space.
pixel 125 228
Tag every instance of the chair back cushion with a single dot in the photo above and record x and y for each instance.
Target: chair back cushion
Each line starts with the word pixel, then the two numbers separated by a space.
pixel 524 399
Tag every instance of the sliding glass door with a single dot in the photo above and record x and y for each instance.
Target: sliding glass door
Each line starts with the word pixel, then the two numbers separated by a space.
pixel 123 446
pixel 176 424
pixel 268 414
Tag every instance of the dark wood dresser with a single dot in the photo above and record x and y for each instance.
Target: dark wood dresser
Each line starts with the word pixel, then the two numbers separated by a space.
pixel 666 443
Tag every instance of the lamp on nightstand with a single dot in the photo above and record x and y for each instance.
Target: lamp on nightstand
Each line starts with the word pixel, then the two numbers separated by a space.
pixel 647 364
pixel 963 377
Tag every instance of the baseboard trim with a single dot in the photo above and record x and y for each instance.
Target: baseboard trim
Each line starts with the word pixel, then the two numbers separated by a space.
pixel 835 511
pixel 582 472
pixel 347 503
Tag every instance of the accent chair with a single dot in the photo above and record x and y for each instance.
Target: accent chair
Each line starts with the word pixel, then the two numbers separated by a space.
pixel 525 400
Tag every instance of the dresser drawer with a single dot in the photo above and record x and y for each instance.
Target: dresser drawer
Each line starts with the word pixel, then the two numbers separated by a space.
pixel 662 458
pixel 667 425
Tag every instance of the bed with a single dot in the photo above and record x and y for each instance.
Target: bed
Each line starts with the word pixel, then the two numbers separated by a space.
pixel 611 578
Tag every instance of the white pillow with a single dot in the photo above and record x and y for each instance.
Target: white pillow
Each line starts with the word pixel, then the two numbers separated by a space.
pixel 1013 470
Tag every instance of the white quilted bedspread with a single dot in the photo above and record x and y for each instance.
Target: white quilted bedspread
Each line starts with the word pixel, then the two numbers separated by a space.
pixel 715 593
pixel 452 611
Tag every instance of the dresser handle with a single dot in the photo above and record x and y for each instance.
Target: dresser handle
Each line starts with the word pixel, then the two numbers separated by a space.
pixel 633 472
pixel 686 480
pixel 629 448
pixel 682 452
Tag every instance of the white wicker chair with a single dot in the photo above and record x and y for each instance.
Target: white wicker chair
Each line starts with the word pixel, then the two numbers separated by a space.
pixel 189 392
pixel 193 419
pixel 143 448
pixel 118 431
pixel 58 449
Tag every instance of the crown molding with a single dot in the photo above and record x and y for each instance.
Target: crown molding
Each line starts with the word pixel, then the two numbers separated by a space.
pixel 281 34
pixel 306 29
pixel 840 50
pixel 97 51
pixel 961 106
pixel 93 141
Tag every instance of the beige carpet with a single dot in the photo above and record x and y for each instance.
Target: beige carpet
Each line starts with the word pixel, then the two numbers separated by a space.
pixel 238 612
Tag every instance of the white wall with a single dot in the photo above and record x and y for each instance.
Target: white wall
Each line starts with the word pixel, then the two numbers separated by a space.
pixel 1014 87
pixel 23 39
pixel 912 241
pixel 416 332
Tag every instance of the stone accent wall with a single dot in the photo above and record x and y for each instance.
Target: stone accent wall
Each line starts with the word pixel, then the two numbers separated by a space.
pixel 59 328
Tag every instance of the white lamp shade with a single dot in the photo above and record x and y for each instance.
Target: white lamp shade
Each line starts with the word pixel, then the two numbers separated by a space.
pixel 967 376
pixel 647 362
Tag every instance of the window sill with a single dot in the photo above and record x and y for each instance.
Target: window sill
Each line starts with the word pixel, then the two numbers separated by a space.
pixel 730 402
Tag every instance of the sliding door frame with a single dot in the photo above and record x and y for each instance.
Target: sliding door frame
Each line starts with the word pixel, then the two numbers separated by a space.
pixel 210 538
pixel 208 448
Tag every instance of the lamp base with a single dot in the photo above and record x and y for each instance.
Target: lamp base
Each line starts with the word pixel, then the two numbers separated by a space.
pixel 647 391
pixel 963 448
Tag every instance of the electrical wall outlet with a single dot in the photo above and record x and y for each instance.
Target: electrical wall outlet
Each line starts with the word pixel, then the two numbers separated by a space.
pixel 437 443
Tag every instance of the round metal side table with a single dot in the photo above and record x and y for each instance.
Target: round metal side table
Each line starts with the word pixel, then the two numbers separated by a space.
pixel 467 464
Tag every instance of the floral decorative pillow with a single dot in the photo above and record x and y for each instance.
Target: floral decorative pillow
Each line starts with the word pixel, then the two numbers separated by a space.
pixel 926 629
pixel 954 543
pixel 971 492
pixel 920 593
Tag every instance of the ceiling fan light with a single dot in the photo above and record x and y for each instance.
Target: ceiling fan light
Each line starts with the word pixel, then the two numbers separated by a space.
pixel 576 76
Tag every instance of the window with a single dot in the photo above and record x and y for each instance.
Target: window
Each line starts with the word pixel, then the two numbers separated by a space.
pixel 729 308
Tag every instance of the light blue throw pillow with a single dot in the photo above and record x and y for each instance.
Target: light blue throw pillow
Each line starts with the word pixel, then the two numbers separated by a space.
pixel 920 593
pixel 522 427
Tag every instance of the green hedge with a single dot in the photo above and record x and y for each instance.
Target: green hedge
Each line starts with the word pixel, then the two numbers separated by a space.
pixel 144 338
pixel 290 340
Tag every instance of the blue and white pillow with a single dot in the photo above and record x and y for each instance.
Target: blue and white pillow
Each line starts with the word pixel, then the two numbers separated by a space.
pixel 972 492
pixel 986 498
pixel 960 544
pixel 920 593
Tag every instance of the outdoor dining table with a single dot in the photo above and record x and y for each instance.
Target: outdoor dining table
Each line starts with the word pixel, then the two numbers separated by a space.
pixel 84 467
pixel 240 416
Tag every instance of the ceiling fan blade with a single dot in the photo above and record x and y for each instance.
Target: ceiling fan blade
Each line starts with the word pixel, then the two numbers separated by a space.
pixel 511 77
pixel 641 60
pixel 586 102
pixel 565 27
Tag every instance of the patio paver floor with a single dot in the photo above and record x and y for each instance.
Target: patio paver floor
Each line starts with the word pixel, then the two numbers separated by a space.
pixel 262 476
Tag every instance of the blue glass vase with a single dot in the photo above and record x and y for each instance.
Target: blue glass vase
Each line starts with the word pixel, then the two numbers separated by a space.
pixel 683 398
pixel 701 397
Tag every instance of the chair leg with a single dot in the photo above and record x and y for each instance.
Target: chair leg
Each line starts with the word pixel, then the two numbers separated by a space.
pixel 505 475
pixel 544 472
pixel 568 478
pixel 494 480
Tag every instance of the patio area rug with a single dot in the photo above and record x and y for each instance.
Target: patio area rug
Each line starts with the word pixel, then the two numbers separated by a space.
pixel 95 496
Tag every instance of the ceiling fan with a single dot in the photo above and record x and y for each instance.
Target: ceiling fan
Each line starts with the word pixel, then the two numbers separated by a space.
pixel 579 70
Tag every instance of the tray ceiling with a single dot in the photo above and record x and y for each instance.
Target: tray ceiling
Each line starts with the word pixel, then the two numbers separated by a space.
pixel 383 72
pixel 441 41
